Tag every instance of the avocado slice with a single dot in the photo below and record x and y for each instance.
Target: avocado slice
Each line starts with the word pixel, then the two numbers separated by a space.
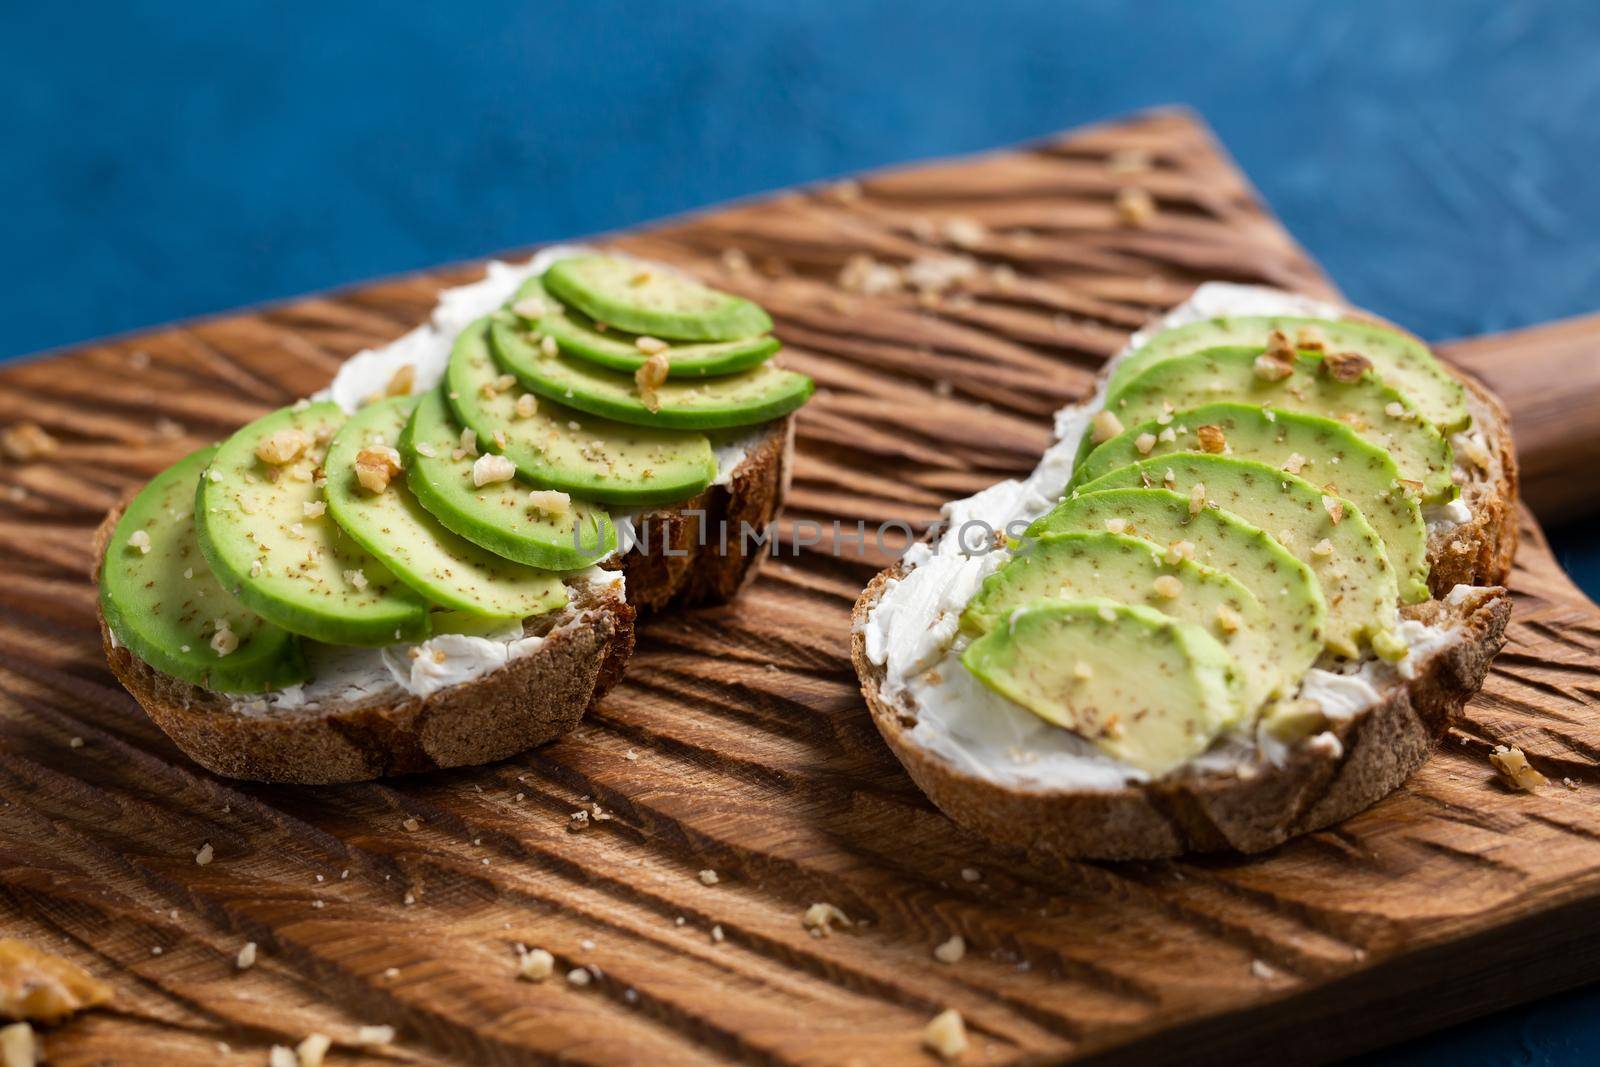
pixel 1133 571
pixel 1374 410
pixel 575 334
pixel 560 448
pixel 293 568
pixel 1346 555
pixel 1321 450
pixel 161 600
pixel 1143 687
pixel 450 571
pixel 497 516
pixel 1286 588
pixel 1401 361
pixel 646 299
pixel 754 396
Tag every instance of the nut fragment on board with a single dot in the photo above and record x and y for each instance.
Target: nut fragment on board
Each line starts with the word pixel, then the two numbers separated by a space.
pixel 43 987
pixel 1515 770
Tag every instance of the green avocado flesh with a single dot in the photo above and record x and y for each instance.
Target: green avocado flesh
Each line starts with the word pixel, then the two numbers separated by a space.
pixel 753 396
pixel 1143 687
pixel 1286 588
pixel 1131 571
pixel 1402 362
pixel 449 570
pixel 1322 451
pixel 577 336
pixel 646 299
pixel 498 516
pixel 295 569
pixel 1351 566
pixel 164 603
pixel 560 448
pixel 1376 412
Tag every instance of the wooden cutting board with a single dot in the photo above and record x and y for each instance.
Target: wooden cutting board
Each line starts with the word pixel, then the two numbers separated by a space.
pixel 739 743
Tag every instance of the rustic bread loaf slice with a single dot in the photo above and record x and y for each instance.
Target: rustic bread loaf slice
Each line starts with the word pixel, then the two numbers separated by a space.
pixel 1254 803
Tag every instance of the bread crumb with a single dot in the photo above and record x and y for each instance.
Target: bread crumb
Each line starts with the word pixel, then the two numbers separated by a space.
pixel 1515 770
pixel 820 919
pixel 28 441
pixel 950 951
pixel 945 1035
pixel 579 976
pixel 313 1050
pixel 708 877
pixel 1135 207
pixel 491 468
pixel 534 964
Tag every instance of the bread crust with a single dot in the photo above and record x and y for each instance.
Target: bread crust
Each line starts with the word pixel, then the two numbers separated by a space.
pixel 533 699
pixel 1318 784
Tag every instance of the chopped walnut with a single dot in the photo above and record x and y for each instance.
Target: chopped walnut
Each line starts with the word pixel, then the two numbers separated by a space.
pixel 1410 487
pixel 1295 463
pixel 1116 526
pixel 708 877
pixel 402 381
pixel 1197 498
pixel 224 642
pixel 1334 507
pixel 1310 338
pixel 490 468
pixel 1128 161
pixel 1135 207
pixel 282 447
pixel 1167 587
pixel 357 579
pixel 946 1035
pixel 376 465
pixel 1104 426
pixel 951 951
pixel 1211 439
pixel 1395 410
pixel 373 1036
pixel 205 855
pixel 1145 442
pixel 526 407
pixel 1346 366
pixel 1082 671
pixel 1269 369
pixel 651 376
pixel 42 987
pixel 531 308
pixel 1515 770
pixel 1228 620
pixel 27 441
pixel 548 346
pixel 551 502
pixel 139 540
pixel 1323 548
pixel 820 919
pixel 650 345
pixel 534 964
pixel 1178 550
pixel 247 956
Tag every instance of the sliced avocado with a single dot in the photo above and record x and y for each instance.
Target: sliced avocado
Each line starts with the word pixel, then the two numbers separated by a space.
pixel 1143 687
pixel 1346 554
pixel 1401 361
pixel 258 531
pixel 1320 450
pixel 1133 571
pixel 744 399
pixel 560 448
pixel 575 334
pixel 1375 411
pixel 449 570
pixel 646 299
pixel 1286 588
pixel 162 601
pixel 498 516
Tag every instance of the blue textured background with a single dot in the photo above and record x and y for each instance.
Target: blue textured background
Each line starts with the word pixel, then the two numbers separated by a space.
pixel 178 159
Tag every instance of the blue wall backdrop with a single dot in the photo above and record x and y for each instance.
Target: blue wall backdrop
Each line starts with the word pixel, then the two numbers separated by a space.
pixel 165 160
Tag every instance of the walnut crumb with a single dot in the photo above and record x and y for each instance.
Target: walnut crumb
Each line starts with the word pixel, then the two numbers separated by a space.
pixel 534 964
pixel 313 1050
pixel 491 468
pixel 247 956
pixel 140 541
pixel 1211 439
pixel 357 579
pixel 1145 442
pixel 820 919
pixel 1167 587
pixel 651 376
pixel 1227 619
pixel 1177 550
pixel 410 825
pixel 1104 426
pixel 205 854
pixel 1310 338
pixel 1346 366
pixel 375 466
pixel 224 641
pixel 374 1036
pixel 551 502
pixel 402 381
pixel 650 346
pixel 1197 497
pixel 1334 507
pixel 1116 526
pixel 28 441
pixel 282 447
pixel 526 407
pixel 1135 207
pixel 950 951
pixel 708 877
pixel 1515 770
pixel 1323 548
pixel 1295 463
pixel 945 1035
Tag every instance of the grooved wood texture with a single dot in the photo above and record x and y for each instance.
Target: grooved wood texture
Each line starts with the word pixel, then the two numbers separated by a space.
pixel 738 741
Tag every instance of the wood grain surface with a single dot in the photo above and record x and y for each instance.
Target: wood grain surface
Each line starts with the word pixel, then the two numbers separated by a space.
pixel 738 741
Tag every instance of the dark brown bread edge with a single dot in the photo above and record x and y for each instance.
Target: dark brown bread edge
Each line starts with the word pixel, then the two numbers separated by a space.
pixel 1316 787
pixel 534 699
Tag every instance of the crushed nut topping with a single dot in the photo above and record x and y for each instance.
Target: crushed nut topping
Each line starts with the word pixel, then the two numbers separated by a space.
pixel 534 964
pixel 1167 587
pixel 1515 770
pixel 865 275
pixel 370 1036
pixel 376 466
pixel 1295 463
pixel 950 951
pixel 1346 366
pixel 140 541
pixel 1410 487
pixel 820 919
pixel 282 447
pixel 946 1035
pixel 579 976
pixel 964 232
pixel 1144 443
pixel 527 406
pixel 205 854
pixel 469 442
pixel 247 956
pixel 1116 526
pixel 490 468
pixel 650 345
pixel 1228 619
pixel 1135 207
pixel 402 381
pixel 548 346
pixel 1310 337
pixel 357 579
pixel 1082 672
pixel 313 1050
pixel 1197 497
pixel 1104 426
pixel 1334 507
pixel 1128 161
pixel 224 641
pixel 651 376
pixel 1211 439
pixel 42 987
pixel 1395 410
pixel 708 877
pixel 1323 548
pixel 27 441
pixel 1178 550
pixel 551 502
pixel 18 1046
pixel 1167 436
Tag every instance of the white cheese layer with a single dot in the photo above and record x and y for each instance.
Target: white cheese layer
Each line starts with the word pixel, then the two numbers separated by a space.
pixel 912 631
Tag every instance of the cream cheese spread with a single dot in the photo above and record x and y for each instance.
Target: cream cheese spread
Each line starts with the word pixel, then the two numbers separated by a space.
pixel 912 630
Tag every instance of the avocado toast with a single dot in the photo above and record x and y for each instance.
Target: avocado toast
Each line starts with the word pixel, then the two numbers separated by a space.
pixel 437 561
pixel 1096 686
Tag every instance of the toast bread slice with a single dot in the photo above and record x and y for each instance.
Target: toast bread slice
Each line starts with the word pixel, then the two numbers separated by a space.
pixel 533 699
pixel 1198 810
